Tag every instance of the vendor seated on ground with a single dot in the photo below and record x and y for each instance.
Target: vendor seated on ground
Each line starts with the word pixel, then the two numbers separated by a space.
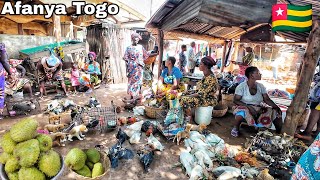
pixel 205 94
pixel 50 69
pixel 249 98
pixel 17 82
pixel 169 82
pixel 92 70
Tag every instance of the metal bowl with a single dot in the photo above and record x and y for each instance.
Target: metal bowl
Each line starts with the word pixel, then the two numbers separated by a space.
pixel 3 174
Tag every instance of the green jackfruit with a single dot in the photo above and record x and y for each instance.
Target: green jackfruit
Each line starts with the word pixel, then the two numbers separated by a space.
pixel 85 171
pixel 93 155
pixel 90 165
pixel 31 173
pixel 27 152
pixel 49 163
pixel 97 170
pixel 24 130
pixel 12 165
pixel 45 142
pixel 76 159
pixel 7 143
pixel 4 157
pixel 13 176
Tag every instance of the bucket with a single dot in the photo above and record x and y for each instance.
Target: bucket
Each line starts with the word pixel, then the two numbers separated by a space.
pixel 4 176
pixel 203 115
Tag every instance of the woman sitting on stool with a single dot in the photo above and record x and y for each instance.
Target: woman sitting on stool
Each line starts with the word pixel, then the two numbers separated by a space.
pixel 205 95
pixel 169 81
pixel 249 97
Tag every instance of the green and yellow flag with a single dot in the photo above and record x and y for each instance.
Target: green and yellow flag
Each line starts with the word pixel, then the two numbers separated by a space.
pixel 287 17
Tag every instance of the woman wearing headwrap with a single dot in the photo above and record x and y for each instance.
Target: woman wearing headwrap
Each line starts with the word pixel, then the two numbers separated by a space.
pixel 206 89
pixel 50 69
pixel 135 56
pixel 92 70
pixel 4 67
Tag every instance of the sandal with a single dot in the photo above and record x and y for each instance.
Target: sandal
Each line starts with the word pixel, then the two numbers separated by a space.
pixel 234 132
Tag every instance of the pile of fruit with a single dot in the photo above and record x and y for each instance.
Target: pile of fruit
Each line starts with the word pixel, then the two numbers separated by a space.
pixel 85 163
pixel 28 155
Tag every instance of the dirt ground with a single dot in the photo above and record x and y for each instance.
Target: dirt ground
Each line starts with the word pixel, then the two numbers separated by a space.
pixel 163 166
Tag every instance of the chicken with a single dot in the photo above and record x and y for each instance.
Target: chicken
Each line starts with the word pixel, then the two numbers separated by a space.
pixel 121 136
pixel 187 160
pixel 146 158
pixel 264 175
pixel 195 136
pixel 136 127
pixel 197 173
pixel 214 140
pixel 203 158
pixel 135 138
pixel 219 171
pixel 188 143
pixel 155 143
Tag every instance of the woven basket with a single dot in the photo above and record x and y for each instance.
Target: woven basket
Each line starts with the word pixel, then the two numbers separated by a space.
pixel 227 99
pixel 106 165
pixel 152 112
pixel 220 110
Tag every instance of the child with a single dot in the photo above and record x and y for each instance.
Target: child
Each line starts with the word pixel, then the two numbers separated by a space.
pixel 75 75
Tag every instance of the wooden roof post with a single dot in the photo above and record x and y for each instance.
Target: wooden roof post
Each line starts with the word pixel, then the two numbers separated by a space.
pixel 298 104
pixel 57 27
pixel 223 59
pixel 160 39
pixel 20 29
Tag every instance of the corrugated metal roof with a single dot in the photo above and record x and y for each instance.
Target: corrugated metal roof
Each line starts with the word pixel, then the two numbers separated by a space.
pixel 198 27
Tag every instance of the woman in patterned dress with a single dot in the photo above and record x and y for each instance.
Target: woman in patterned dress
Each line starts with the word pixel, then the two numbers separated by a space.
pixel 205 95
pixel 135 56
pixel 19 82
pixel 308 166
pixel 4 67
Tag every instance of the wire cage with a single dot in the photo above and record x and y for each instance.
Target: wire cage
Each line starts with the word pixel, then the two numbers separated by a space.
pixel 171 121
pixel 101 118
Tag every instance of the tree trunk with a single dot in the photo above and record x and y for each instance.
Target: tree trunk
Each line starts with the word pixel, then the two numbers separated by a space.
pixel 310 60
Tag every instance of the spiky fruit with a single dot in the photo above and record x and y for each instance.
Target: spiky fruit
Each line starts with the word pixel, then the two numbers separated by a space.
pixel 7 143
pixel 85 171
pixel 45 142
pixel 27 152
pixel 93 155
pixel 4 157
pixel 31 173
pixel 49 163
pixel 90 165
pixel 76 159
pixel 12 165
pixel 97 170
pixel 13 176
pixel 24 130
